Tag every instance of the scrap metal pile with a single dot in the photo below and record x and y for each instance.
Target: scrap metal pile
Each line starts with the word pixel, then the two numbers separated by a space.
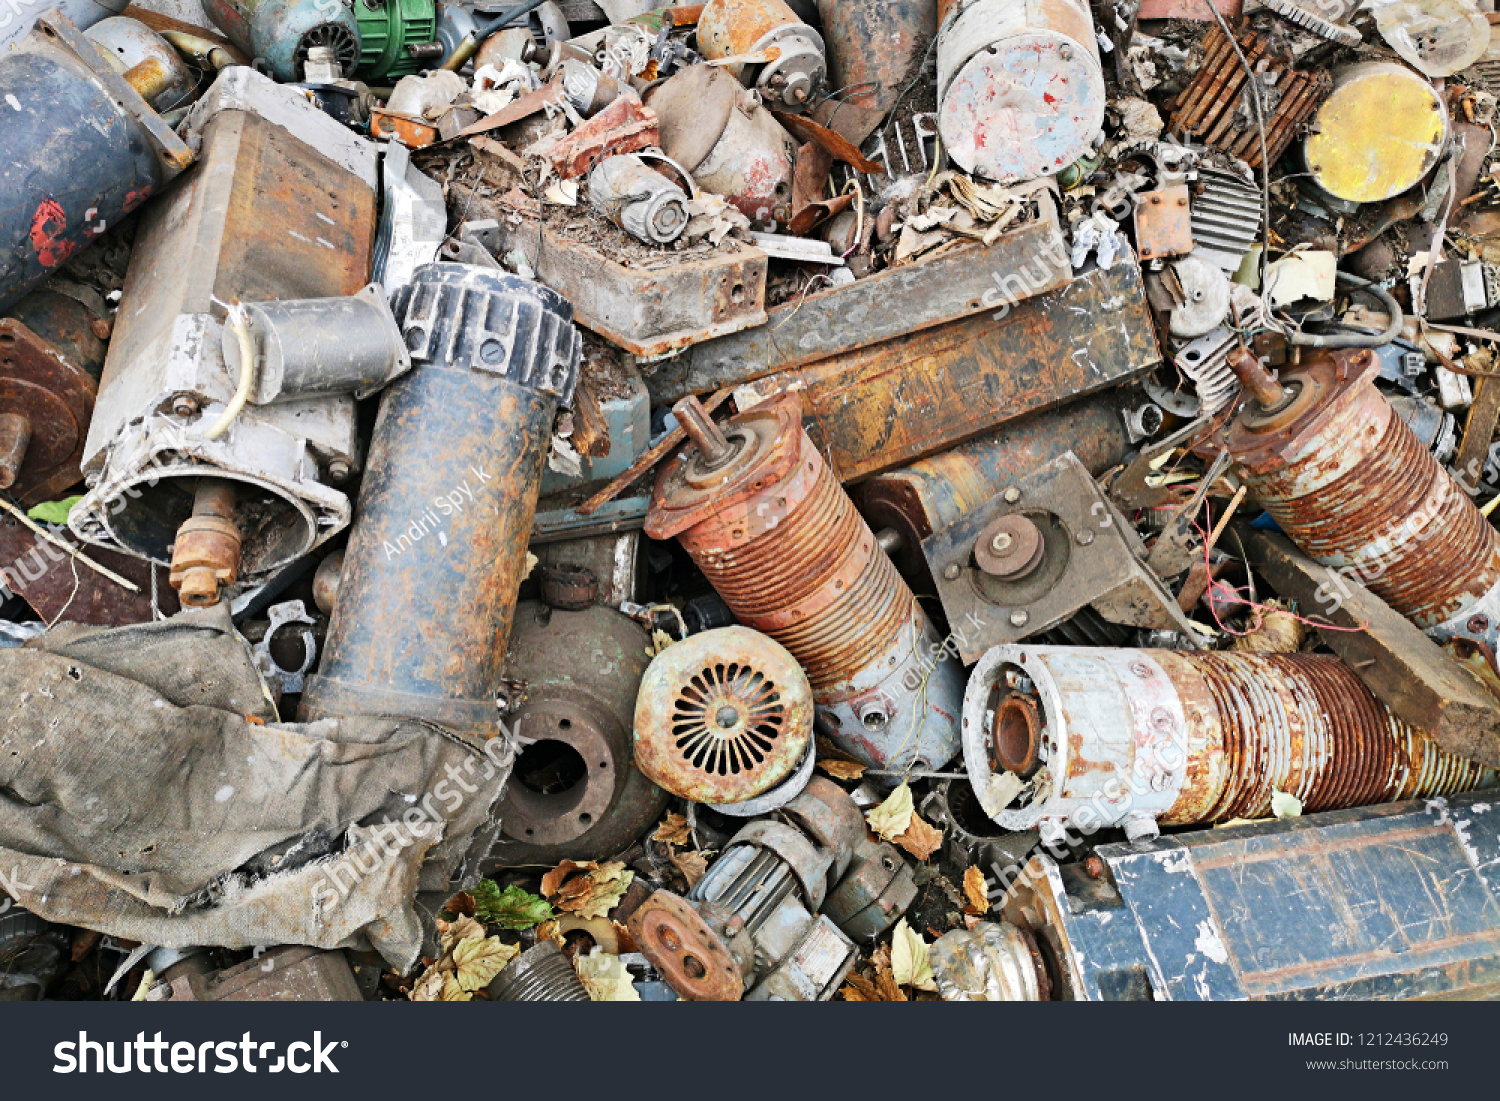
pixel 899 499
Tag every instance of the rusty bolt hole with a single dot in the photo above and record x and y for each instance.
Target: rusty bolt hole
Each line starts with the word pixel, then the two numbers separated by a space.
pixel 694 967
pixel 737 293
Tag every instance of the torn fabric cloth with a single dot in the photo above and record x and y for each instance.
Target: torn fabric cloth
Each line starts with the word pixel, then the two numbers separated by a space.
pixel 147 790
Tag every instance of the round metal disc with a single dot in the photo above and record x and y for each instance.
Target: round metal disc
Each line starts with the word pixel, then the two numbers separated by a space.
pixel 1012 546
pixel 722 716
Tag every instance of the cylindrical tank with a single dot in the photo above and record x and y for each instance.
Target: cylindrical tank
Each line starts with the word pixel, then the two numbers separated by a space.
pixel 125 43
pixel 280 32
pixel 875 47
pixel 719 132
pixel 734 28
pixel 79 150
pixel 83 14
pixel 1352 486
pixel 438 551
pixel 1380 130
pixel 1020 90
pixel 1091 738
pixel 767 522
pixel 906 506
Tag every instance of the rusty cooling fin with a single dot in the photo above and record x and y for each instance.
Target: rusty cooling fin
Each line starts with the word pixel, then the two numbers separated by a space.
pixel 1307 725
pixel 767 522
pixel 723 716
pixel 1353 487
pixel 1215 109
pixel 1059 735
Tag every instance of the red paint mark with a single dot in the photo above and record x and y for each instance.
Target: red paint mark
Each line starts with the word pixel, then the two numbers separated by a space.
pixel 134 199
pixel 1048 98
pixel 47 228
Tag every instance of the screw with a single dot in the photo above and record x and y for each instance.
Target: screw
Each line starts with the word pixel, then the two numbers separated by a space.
pixel 1085 538
pixel 1181 201
pixel 1011 495
pixel 184 405
pixel 338 470
pixel 1479 624
pixel 951 571
pixel 1156 200
pixel 1066 53
pixel 1019 619
pixel 1141 669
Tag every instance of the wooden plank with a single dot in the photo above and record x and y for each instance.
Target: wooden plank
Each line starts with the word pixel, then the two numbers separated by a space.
pixel 1407 671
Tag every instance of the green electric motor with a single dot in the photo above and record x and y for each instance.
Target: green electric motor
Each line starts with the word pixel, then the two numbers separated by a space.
pixel 386 29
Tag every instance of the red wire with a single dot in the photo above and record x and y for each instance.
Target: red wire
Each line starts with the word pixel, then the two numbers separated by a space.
pixel 1220 590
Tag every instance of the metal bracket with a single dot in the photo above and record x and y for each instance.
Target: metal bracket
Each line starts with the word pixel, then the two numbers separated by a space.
pixel 282 615
pixel 1088 556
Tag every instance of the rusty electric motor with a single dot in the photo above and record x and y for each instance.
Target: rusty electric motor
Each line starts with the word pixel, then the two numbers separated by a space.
pixel 1325 454
pixel 769 525
pixel 1103 737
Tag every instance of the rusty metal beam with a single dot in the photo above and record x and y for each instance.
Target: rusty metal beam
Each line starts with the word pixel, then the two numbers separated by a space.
pixel 886 406
pixel 893 304
pixel 1405 669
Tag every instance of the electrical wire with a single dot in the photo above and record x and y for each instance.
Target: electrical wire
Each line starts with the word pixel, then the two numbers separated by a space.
pixel 239 324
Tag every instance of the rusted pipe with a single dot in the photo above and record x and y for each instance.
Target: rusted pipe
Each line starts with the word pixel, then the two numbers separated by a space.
pixel 1259 383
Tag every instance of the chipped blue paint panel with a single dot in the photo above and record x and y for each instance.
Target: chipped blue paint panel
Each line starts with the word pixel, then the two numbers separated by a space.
pixel 1389 902
pixel 1188 957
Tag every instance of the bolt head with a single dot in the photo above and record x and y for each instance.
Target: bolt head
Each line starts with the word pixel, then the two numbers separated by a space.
pixel 1085 538
pixel 1479 624
pixel 184 405
pixel 1011 495
pixel 951 571
pixel 1001 543
pixel 1156 200
pixel 1019 619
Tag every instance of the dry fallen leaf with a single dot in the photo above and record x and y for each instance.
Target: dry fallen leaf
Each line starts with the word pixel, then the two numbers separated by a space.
pixel 692 865
pixel 921 839
pixel 605 977
pixel 461 903
pixel 909 961
pixel 893 817
pixel 478 961
pixel 974 892
pixel 840 769
pixel 857 988
pixel 461 928
pixel 673 831
pixel 886 986
pixel 590 894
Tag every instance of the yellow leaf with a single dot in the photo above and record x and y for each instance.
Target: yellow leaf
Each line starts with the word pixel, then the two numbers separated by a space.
pixel 975 893
pixel 893 817
pixel 452 990
pixel 909 963
pixel 921 839
pixel 461 928
pixel 605 977
pixel 429 986
pixel 1285 805
pixel 477 961
pixel 840 769
pixel 673 831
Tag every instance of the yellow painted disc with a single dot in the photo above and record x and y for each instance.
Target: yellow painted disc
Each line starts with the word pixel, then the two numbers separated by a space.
pixel 1378 134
